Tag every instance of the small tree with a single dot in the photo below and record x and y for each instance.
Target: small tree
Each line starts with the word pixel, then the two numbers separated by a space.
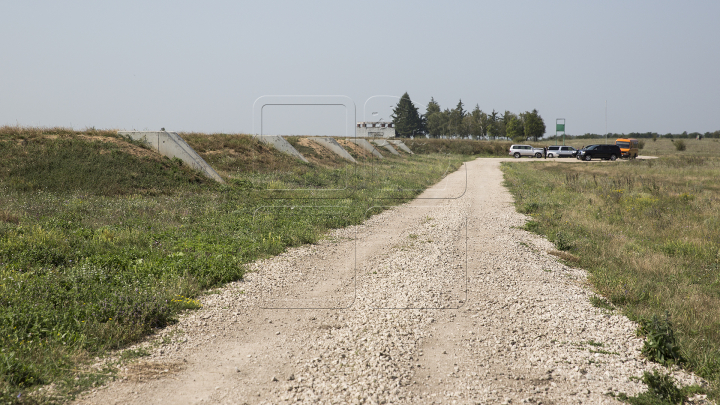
pixel 514 127
pixel 534 125
pixel 436 124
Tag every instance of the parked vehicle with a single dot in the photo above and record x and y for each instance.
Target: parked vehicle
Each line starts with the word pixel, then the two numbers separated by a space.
pixel 561 151
pixel 525 150
pixel 552 151
pixel 628 147
pixel 606 152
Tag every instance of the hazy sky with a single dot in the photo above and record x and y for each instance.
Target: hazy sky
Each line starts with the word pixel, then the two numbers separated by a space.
pixel 199 66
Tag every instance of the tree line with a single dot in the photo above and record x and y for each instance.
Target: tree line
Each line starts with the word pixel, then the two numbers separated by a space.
pixel 456 122
pixel 648 135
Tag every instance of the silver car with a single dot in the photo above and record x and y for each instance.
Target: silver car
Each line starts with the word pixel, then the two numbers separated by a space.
pixel 552 151
pixel 566 151
pixel 525 150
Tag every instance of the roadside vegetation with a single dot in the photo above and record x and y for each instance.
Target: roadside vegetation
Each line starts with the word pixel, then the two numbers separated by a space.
pixel 103 241
pixel 648 231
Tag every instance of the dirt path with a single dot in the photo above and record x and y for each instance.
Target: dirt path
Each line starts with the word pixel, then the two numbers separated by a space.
pixel 442 300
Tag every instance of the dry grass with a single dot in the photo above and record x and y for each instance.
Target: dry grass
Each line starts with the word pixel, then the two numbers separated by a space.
pixel 647 230
pixel 565 256
pixel 145 370
pixel 7 216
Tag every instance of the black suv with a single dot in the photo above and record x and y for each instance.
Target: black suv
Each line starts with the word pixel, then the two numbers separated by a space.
pixel 606 152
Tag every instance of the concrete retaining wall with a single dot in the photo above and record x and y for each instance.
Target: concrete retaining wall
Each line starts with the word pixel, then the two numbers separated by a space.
pixel 279 143
pixel 401 145
pixel 333 146
pixel 385 144
pixel 367 146
pixel 170 144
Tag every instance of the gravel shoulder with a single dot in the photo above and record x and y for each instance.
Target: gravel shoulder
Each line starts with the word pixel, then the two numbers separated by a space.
pixel 441 300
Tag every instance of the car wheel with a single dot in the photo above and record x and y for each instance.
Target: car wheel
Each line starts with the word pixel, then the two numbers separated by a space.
pixel 550 155
pixel 588 158
pixel 538 155
pixel 613 157
pixel 517 155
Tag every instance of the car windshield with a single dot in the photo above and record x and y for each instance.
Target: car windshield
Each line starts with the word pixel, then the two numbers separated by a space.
pixel 591 147
pixel 623 144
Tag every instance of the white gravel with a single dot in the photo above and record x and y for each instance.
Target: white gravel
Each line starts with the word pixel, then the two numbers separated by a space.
pixel 436 301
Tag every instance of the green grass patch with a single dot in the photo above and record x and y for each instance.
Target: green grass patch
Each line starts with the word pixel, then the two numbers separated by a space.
pixel 649 234
pixel 661 391
pixel 102 241
pixel 599 302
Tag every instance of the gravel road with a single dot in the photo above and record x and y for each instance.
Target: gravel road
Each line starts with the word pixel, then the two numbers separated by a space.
pixel 441 300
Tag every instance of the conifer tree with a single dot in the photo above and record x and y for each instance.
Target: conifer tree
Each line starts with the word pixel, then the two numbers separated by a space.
pixel 406 118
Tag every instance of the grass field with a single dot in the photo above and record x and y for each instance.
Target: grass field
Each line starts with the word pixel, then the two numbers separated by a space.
pixel 648 231
pixel 103 241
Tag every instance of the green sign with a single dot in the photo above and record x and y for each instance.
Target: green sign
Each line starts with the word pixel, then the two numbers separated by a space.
pixel 560 127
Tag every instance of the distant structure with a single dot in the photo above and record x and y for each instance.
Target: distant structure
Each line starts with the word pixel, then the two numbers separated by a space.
pixel 369 129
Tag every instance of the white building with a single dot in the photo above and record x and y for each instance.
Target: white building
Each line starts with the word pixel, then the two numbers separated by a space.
pixel 375 130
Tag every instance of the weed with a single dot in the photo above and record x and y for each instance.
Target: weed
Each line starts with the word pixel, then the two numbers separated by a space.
pixel 599 302
pixel 661 391
pixel 660 345
pixel 680 145
pixel 600 351
pixel 134 353
pixel 530 207
pixel 532 226
pixel 562 241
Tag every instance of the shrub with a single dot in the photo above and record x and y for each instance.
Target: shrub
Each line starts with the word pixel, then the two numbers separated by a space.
pixel 680 145
pixel 660 345
pixel 641 144
pixel 661 391
pixel 563 241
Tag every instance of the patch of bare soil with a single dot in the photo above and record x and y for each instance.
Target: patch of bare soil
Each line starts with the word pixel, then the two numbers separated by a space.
pixel 320 155
pixel 127 147
pixel 145 370
pixel 356 151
